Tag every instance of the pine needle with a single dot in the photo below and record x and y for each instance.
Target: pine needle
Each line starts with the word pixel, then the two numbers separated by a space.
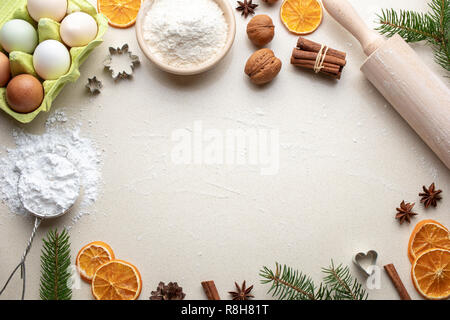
pixel 433 27
pixel 289 284
pixel 342 284
pixel 55 264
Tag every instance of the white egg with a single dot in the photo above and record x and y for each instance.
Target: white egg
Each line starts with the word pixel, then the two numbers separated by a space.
pixel 78 29
pixel 18 35
pixel 51 60
pixel 52 9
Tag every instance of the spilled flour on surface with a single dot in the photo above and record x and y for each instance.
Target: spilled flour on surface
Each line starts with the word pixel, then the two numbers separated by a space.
pixel 60 139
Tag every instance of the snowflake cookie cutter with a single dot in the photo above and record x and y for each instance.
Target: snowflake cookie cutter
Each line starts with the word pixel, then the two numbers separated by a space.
pixel 122 70
pixel 94 85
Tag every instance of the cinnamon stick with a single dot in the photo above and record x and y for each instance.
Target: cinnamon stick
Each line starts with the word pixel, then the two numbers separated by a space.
pixel 397 282
pixel 338 76
pixel 309 64
pixel 308 45
pixel 210 290
pixel 308 55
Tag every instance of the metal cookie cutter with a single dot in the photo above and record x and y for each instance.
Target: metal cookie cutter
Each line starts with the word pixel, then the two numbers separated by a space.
pixel 94 85
pixel 371 255
pixel 121 70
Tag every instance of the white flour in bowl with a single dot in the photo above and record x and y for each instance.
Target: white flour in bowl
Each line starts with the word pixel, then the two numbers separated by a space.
pixel 185 33
pixel 32 151
pixel 48 185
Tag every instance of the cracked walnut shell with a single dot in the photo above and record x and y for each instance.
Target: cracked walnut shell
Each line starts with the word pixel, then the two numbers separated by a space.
pixel 262 67
pixel 260 30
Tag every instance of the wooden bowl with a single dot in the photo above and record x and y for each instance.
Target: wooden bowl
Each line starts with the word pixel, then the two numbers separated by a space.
pixel 229 18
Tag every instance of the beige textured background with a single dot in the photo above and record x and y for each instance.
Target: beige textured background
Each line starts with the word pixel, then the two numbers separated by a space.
pixel 346 161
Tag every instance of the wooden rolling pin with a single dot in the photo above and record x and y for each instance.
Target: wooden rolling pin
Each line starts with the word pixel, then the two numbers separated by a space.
pixel 418 95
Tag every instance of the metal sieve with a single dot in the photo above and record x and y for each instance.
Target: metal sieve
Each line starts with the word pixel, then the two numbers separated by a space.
pixel 39 217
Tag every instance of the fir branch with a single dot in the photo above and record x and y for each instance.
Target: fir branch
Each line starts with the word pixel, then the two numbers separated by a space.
pixel 55 264
pixel 411 26
pixel 290 284
pixel 342 284
pixel 433 27
pixel 441 11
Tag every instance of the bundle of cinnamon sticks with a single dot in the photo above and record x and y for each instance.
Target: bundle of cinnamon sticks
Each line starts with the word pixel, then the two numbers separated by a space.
pixel 322 59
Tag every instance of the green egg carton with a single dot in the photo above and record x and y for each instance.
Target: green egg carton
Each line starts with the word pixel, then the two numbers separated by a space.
pixel 47 29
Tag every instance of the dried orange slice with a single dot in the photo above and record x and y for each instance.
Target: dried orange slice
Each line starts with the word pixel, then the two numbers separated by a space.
pixel 117 280
pixel 431 274
pixel 301 16
pixel 92 256
pixel 120 13
pixel 427 234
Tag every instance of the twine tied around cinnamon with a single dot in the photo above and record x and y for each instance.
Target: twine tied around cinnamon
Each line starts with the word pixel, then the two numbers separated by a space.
pixel 318 58
pixel 321 55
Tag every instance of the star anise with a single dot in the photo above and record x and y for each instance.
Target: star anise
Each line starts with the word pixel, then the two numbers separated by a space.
pixel 430 196
pixel 241 293
pixel 247 7
pixel 404 213
pixel 170 292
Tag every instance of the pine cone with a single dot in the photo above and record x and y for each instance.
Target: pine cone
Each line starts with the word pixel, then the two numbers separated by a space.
pixel 168 292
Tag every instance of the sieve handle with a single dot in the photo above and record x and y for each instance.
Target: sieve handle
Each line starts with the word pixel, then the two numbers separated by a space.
pixel 21 265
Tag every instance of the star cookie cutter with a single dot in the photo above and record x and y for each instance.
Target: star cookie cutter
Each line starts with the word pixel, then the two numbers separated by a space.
pixel 94 85
pixel 123 70
pixel 371 256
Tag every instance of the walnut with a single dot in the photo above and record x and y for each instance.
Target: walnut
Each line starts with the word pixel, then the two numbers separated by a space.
pixel 262 67
pixel 260 30
pixel 270 1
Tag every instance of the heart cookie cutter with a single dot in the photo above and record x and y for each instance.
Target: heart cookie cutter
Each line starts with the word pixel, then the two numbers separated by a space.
pixel 372 255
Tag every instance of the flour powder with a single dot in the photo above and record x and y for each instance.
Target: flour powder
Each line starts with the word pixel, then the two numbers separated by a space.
pixel 185 33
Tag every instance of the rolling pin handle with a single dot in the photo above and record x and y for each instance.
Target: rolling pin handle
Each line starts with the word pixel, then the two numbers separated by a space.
pixel 344 13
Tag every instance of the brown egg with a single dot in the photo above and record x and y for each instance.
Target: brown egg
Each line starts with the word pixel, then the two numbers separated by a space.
pixel 24 93
pixel 5 70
